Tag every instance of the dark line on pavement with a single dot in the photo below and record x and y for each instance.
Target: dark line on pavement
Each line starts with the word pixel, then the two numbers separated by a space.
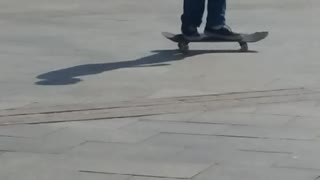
pixel 297 168
pixel 9 136
pixel 79 120
pixel 134 175
pixel 79 110
pixel 267 152
pixel 183 98
pixel 235 136
pixel 193 122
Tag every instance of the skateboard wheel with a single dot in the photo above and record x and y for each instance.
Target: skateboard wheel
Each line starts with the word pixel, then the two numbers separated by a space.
pixel 183 47
pixel 244 46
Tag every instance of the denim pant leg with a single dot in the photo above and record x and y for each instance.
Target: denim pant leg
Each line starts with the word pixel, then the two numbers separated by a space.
pixel 216 12
pixel 193 12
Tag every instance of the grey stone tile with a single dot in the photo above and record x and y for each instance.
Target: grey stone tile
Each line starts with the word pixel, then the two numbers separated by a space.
pixel 106 124
pixel 26 166
pixel 104 135
pixel 305 108
pixel 249 119
pixel 97 149
pixel 174 117
pixel 66 138
pixel 43 145
pixel 253 172
pixel 95 176
pixel 54 174
pixel 32 161
pixel 210 155
pixel 149 178
pixel 144 161
pixel 268 145
pixel 229 156
pixel 176 127
pixel 184 140
pixel 255 159
pixel 275 132
pixel 14 144
pixel 228 117
pixel 100 114
pixel 169 169
pixel 27 130
pixel 234 143
pixel 134 152
pixel 305 122
pixel 309 160
pixel 241 109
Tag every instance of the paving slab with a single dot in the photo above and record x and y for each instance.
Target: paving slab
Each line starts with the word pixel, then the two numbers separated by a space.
pixel 102 135
pixel 305 109
pixel 176 127
pixel 183 140
pixel 42 145
pixel 27 131
pixel 122 151
pixel 307 160
pixel 268 145
pixel 305 122
pixel 259 173
pixel 275 132
pixel 107 124
pixel 77 51
pixel 226 117
pixel 231 157
pixel 150 178
pixel 142 168
pixel 26 166
pixel 149 112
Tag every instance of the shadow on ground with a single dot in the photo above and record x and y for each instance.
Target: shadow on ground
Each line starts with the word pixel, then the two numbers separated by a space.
pixel 70 75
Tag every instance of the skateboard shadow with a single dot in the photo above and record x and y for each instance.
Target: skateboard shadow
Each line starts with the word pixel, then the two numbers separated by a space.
pixel 71 75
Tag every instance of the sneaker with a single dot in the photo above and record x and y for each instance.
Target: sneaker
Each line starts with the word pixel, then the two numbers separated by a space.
pixel 223 32
pixel 190 32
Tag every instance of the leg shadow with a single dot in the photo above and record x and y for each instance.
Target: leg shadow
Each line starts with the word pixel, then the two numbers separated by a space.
pixel 70 75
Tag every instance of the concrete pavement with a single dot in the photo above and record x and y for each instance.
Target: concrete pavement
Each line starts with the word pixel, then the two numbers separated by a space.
pixel 62 52
pixel 91 90
pixel 258 135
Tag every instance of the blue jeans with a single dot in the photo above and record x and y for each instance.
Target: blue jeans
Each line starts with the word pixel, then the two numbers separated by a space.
pixel 193 12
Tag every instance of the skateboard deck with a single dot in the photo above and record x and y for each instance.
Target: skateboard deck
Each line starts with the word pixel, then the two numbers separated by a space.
pixel 243 40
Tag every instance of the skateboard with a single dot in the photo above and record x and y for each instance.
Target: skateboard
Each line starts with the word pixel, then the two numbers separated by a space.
pixel 243 40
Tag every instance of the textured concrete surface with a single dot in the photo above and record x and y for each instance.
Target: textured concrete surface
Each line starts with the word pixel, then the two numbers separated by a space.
pixel 57 52
pixel 91 90
pixel 246 140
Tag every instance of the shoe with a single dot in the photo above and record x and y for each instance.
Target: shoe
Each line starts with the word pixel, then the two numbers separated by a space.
pixel 223 32
pixel 190 32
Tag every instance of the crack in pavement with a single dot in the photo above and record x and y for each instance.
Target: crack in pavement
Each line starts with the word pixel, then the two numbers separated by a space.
pixel 266 152
pixel 175 100
pixel 238 136
pixel 134 175
pixel 152 107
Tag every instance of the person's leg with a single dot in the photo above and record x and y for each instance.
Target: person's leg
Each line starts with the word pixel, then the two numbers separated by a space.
pixel 193 12
pixel 216 13
pixel 192 17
